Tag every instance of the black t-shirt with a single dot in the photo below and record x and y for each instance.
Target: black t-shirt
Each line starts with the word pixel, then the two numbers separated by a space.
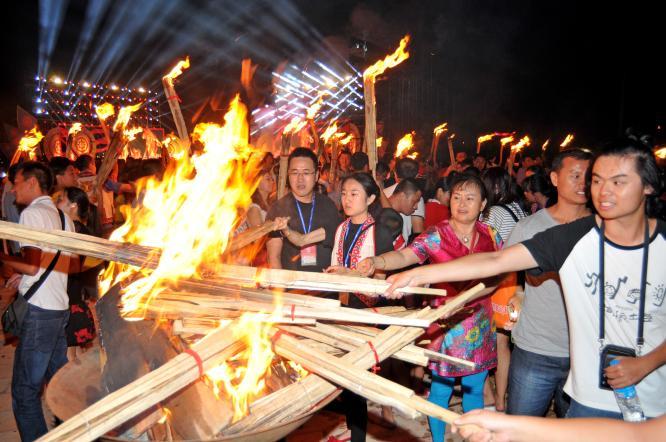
pixel 325 215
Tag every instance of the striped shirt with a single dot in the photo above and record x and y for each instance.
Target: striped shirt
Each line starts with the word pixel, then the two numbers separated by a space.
pixel 502 221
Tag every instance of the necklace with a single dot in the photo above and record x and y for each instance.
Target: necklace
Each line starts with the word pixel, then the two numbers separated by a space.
pixel 464 237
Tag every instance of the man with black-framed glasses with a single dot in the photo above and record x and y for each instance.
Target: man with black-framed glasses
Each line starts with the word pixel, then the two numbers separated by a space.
pixel 307 211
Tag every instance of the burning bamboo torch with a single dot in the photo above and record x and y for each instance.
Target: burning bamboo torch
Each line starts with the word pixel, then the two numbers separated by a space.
pixel 309 116
pixel 28 145
pixel 449 141
pixel 369 77
pixel 567 140
pixel 515 148
pixel 503 142
pixel 437 132
pixel 103 112
pixel 290 129
pixel 405 144
pixel 174 100
pixel 329 134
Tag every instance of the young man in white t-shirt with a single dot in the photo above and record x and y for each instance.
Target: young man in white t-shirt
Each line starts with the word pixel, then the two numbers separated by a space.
pixel 625 186
pixel 42 347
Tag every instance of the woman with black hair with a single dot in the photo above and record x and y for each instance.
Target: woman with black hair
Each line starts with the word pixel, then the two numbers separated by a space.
pixel 539 192
pixel 83 285
pixel 358 237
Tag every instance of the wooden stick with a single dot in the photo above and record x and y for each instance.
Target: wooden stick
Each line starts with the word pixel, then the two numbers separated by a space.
pixel 334 161
pixel 452 156
pixel 370 122
pixel 308 392
pixel 284 161
pixel 125 403
pixel 141 256
pixel 251 235
pixel 433 147
pixel 174 106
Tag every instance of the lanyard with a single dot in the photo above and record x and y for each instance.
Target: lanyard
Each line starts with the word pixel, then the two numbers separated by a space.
pixel 298 206
pixel 602 281
pixel 351 246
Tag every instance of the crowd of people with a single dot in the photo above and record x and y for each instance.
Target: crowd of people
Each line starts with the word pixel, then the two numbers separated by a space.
pixel 577 243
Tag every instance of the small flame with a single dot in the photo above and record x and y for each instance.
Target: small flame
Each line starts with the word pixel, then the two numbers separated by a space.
pixel 390 61
pixel 452 136
pixel 104 111
pixel 130 134
pixel 314 108
pixel 166 415
pixel 506 140
pixel 329 132
pixel 378 141
pixel 294 126
pixel 524 142
pixel 75 129
pixel 661 153
pixel 569 138
pixel 545 145
pixel 404 145
pixel 175 146
pixel 346 140
pixel 440 129
pixel 244 381
pixel 484 138
pixel 30 141
pixel 177 70
pixel 124 115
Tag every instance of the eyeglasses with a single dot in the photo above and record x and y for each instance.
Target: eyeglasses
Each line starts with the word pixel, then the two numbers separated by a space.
pixel 296 173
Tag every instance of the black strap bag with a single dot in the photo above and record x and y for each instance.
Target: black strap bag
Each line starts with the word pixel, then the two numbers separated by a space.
pixel 12 317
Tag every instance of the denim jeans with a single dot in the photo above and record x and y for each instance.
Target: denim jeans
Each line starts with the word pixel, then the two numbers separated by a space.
pixel 576 409
pixel 41 351
pixel 534 380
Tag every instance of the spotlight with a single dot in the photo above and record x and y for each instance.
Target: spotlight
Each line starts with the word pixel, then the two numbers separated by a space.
pixel 39 110
pixel 142 90
pixel 67 113
pixel 114 87
pixel 86 84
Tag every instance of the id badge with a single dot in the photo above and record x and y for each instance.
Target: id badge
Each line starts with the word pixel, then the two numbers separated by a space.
pixel 309 256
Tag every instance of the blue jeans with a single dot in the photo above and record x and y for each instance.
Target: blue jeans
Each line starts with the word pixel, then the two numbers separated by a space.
pixel 440 394
pixel 41 351
pixel 576 409
pixel 534 380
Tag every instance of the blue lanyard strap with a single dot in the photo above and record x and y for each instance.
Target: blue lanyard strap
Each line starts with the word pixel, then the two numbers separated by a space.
pixel 351 246
pixel 300 214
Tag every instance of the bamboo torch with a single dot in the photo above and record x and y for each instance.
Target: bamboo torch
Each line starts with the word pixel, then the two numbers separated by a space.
pixel 369 77
pixel 449 141
pixel 103 112
pixel 330 135
pixel 293 127
pixel 503 142
pixel 309 116
pixel 437 133
pixel 174 100
pixel 28 144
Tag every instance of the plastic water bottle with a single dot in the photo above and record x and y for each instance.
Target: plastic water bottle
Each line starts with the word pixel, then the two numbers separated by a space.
pixel 627 400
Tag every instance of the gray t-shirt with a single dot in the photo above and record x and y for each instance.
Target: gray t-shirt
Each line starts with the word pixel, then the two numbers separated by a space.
pixel 542 327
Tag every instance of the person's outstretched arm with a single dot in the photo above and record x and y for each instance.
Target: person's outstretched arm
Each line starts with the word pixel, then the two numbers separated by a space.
pixel 498 427
pixel 467 268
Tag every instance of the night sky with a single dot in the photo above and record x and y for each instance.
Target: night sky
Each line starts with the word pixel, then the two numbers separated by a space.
pixel 543 68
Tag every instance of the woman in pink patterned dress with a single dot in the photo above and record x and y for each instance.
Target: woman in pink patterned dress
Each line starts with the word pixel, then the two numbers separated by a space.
pixel 470 334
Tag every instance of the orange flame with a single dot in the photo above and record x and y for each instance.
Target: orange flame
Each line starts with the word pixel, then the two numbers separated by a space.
pixel 404 145
pixel 314 108
pixel 440 129
pixel 165 220
pixel 329 132
pixel 28 144
pixel 242 382
pixel 545 145
pixel 177 70
pixel 661 153
pixel 346 140
pixel 294 126
pixel 524 142
pixel 569 138
pixel 130 134
pixel 166 415
pixel 484 138
pixel 75 129
pixel 124 115
pixel 104 111
pixel 506 140
pixel 390 61
pixel 378 141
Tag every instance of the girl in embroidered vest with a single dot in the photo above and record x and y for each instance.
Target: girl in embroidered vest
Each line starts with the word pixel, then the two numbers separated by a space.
pixel 470 334
pixel 356 239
